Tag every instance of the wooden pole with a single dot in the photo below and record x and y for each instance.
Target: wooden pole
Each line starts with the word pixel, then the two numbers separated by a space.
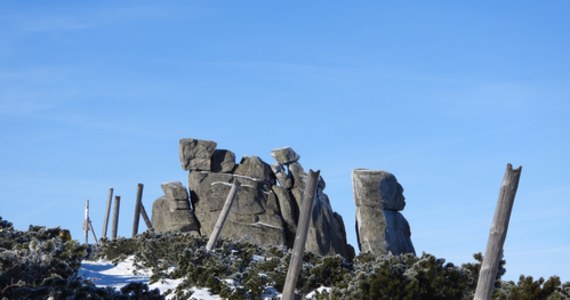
pixel 145 217
pixel 86 222
pixel 498 234
pixel 93 232
pixel 223 216
pixel 137 209
pixel 115 224
pixel 107 213
pixel 301 235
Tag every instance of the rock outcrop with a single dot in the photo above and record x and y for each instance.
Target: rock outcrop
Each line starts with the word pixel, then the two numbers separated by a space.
pixel 172 212
pixel 380 227
pixel 266 209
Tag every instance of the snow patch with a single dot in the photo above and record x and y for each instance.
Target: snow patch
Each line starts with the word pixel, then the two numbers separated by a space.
pixel 321 289
pixel 104 273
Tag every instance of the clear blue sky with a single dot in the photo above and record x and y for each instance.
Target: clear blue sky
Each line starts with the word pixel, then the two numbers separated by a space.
pixel 442 93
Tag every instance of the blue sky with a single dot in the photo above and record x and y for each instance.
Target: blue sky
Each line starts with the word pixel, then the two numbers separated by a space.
pixel 442 94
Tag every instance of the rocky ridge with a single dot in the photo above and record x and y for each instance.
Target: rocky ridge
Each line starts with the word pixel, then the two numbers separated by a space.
pixel 266 209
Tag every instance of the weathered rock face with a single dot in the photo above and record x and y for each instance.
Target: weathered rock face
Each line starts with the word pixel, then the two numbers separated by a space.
pixel 223 161
pixel 266 210
pixel 196 154
pixel 254 215
pixel 172 211
pixel 327 233
pixel 380 227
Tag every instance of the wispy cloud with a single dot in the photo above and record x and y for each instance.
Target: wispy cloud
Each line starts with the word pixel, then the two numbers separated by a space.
pixel 29 91
pixel 80 19
pixel 20 108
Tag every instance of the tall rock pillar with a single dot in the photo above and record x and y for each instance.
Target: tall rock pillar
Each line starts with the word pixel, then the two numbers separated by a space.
pixel 380 227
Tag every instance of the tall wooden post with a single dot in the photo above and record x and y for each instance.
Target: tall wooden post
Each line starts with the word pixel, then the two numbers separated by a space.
pixel 223 216
pixel 498 234
pixel 301 235
pixel 115 224
pixel 86 222
pixel 107 213
pixel 138 205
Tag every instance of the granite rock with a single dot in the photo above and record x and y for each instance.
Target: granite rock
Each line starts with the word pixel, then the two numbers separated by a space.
pixel 378 188
pixel 285 155
pixel 254 210
pixel 172 211
pixel 380 227
pixel 223 161
pixel 266 208
pixel 283 178
pixel 255 168
pixel 196 154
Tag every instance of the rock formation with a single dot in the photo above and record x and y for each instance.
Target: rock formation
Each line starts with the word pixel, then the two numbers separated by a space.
pixel 266 209
pixel 172 211
pixel 380 227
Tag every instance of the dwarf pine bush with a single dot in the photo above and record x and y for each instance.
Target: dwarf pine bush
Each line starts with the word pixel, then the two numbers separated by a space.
pixel 42 262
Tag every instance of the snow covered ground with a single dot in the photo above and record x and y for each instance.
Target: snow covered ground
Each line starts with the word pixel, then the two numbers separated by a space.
pixel 105 273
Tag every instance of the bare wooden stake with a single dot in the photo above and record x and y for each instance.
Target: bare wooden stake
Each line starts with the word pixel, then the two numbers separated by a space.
pixel 223 216
pixel 86 222
pixel 138 205
pixel 107 213
pixel 498 234
pixel 301 235
pixel 115 224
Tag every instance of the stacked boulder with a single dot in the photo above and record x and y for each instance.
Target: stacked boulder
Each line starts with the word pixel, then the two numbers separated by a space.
pixel 380 227
pixel 266 209
pixel 172 212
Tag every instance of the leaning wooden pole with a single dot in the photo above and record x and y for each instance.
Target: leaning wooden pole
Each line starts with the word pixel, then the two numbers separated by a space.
pixel 115 224
pixel 93 232
pixel 498 234
pixel 107 213
pixel 138 205
pixel 301 235
pixel 223 216
pixel 145 217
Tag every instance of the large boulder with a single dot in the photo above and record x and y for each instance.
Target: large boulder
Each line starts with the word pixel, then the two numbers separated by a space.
pixel 256 169
pixel 223 161
pixel 285 155
pixel 196 154
pixel 254 215
pixel 172 211
pixel 378 188
pixel 380 227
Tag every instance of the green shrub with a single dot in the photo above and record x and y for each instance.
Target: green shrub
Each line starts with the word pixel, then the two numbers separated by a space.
pixel 41 263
